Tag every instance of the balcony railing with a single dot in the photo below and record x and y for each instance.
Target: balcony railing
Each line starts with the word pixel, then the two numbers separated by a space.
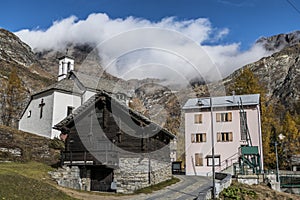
pixel 110 158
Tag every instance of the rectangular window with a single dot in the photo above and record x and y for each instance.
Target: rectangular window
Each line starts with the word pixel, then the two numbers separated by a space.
pixel 224 137
pixel 198 137
pixel 198 118
pixel 224 117
pixel 243 122
pixel 198 159
pixel 210 160
pixel 69 110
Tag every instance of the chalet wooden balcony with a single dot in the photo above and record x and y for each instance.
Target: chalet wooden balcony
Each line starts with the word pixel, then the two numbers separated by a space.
pixel 108 158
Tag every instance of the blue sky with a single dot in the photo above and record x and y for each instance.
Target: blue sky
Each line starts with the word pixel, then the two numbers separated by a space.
pixel 225 29
pixel 246 19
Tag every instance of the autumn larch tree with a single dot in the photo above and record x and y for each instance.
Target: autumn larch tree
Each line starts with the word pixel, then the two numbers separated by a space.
pixel 247 83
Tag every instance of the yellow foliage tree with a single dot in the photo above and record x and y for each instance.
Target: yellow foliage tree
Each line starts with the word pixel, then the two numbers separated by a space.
pixel 247 83
pixel 291 141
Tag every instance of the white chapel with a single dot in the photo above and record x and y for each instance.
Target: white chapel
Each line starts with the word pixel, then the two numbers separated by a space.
pixel 51 105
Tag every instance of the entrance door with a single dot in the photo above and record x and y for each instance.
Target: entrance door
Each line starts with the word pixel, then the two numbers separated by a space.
pixel 101 179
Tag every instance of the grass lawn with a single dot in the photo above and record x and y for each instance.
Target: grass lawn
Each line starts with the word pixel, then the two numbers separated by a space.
pixel 158 186
pixel 27 181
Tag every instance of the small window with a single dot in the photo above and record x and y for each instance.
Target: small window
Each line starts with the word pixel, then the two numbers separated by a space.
pixel 69 110
pixel 198 137
pixel 198 159
pixel 224 137
pixel 210 160
pixel 29 114
pixel 198 118
pixel 224 117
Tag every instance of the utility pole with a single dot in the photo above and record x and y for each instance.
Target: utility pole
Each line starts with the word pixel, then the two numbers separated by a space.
pixel 277 165
pixel 212 150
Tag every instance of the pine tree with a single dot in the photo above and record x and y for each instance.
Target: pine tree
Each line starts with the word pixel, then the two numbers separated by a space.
pixel 13 94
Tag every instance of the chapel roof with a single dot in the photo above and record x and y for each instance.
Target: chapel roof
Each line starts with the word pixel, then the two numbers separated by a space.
pixel 65 85
pixel 101 83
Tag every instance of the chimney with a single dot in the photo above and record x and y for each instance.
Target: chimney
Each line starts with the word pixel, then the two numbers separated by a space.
pixel 199 103
pixel 233 97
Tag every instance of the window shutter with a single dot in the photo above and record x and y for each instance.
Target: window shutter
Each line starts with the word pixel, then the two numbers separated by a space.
pixel 218 116
pixel 193 137
pixel 230 136
pixel 230 116
pixel 204 137
pixel 199 159
pixel 198 118
pixel 219 137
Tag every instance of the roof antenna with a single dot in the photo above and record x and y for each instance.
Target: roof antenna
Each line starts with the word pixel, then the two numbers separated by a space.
pixel 199 102
pixel 233 96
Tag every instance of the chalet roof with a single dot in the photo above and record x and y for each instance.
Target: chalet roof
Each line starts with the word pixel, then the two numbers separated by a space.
pixel 222 101
pixel 93 100
pixel 66 85
pixel 100 83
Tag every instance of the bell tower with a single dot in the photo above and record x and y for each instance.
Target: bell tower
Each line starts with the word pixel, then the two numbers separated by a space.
pixel 66 64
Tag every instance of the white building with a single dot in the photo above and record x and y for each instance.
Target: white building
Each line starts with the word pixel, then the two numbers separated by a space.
pixel 49 106
pixel 229 131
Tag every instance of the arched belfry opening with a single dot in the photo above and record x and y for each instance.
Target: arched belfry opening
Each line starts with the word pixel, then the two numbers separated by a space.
pixel 66 64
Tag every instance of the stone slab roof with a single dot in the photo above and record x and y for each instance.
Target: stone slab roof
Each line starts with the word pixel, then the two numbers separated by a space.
pixel 66 85
pixel 101 83
pixel 94 99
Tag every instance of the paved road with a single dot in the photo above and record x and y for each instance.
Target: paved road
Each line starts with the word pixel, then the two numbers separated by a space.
pixel 188 188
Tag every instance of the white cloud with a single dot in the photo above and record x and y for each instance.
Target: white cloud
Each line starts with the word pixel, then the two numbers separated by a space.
pixel 131 48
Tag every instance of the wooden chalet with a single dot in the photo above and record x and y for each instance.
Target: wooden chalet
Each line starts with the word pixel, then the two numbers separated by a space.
pixel 114 147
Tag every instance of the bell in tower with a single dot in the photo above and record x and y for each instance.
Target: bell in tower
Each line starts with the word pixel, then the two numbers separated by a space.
pixel 66 64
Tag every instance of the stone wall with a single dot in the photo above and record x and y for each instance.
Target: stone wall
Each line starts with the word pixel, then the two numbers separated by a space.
pixel 134 173
pixel 250 179
pixel 222 181
pixel 70 177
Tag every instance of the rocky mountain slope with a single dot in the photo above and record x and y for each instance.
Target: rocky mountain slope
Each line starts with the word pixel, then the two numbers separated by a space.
pixel 15 54
pixel 278 73
pixel 280 41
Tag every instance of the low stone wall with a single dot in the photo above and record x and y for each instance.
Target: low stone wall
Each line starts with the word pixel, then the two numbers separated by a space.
pixel 223 181
pixel 250 179
pixel 137 173
pixel 68 177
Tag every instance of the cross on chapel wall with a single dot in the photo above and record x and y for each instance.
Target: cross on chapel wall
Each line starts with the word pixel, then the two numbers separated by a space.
pixel 41 106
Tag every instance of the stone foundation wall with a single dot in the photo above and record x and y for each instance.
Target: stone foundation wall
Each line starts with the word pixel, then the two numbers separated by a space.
pixel 137 173
pixel 70 177
pixel 132 174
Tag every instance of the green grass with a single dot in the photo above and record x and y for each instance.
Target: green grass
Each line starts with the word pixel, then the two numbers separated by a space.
pixel 158 186
pixel 235 191
pixel 27 181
